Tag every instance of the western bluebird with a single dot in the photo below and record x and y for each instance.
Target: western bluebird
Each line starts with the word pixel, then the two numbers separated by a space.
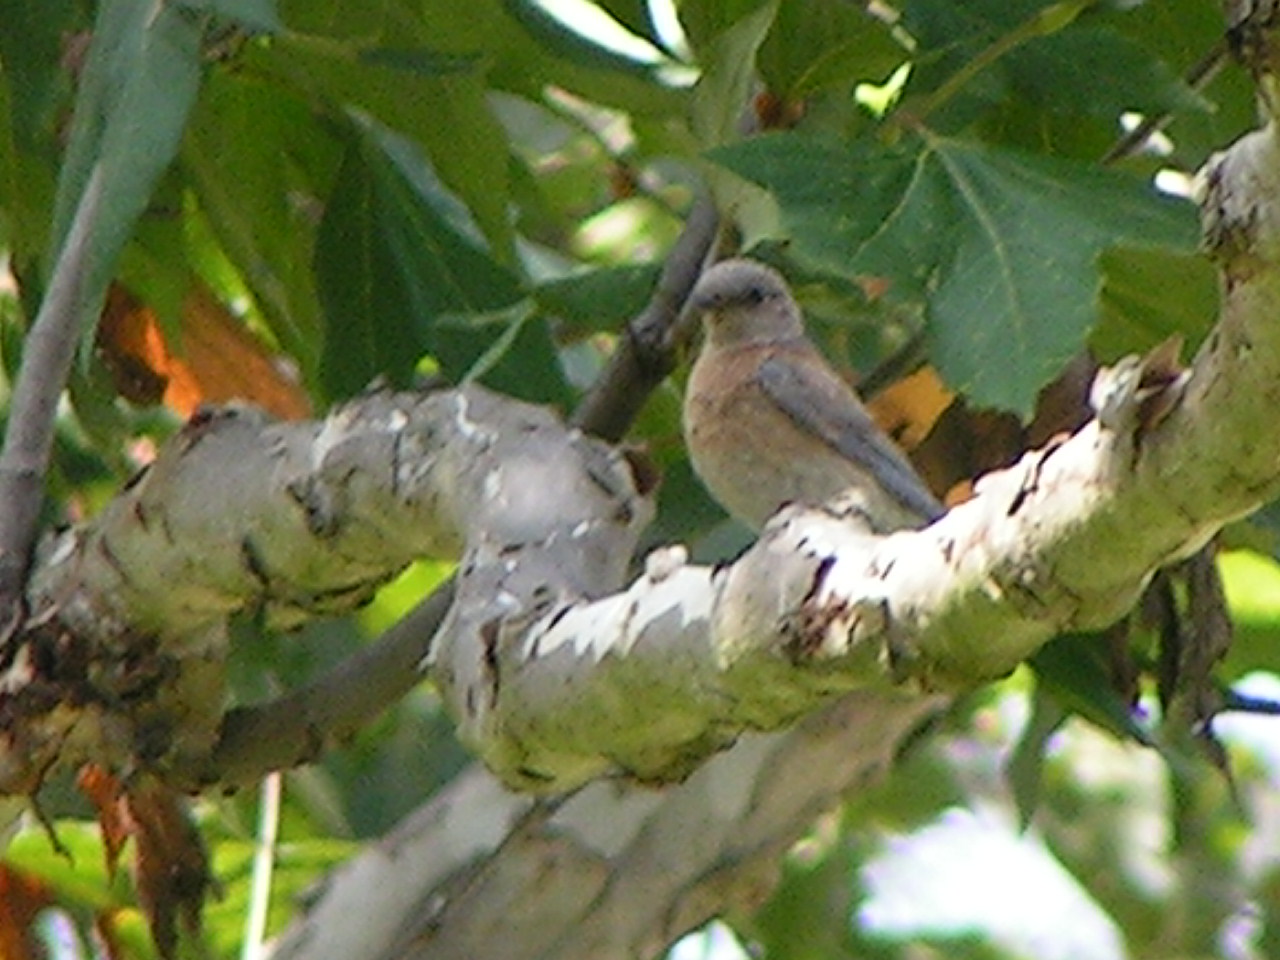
pixel 768 422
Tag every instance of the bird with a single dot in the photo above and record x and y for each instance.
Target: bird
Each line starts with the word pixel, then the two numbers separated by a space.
pixel 768 422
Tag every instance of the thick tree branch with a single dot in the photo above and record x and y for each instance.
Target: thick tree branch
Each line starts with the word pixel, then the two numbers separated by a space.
pixel 254 740
pixel 617 870
pixel 122 656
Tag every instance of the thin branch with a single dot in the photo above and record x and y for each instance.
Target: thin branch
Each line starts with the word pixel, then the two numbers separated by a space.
pixel 645 354
pixel 46 363
pixel 1198 77
pixel 264 863
pixel 296 727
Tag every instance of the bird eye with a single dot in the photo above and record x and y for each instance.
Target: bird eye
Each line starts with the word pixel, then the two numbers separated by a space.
pixel 755 295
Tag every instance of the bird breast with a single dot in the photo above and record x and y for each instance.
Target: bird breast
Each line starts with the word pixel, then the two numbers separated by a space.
pixel 746 451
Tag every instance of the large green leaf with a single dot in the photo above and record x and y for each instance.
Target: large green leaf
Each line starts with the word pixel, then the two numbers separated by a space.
pixel 443 107
pixel 728 73
pixel 393 256
pixel 1056 56
pixel 1151 295
pixel 950 37
pixel 568 44
pixel 1094 69
pixel 259 160
pixel 514 57
pixel 1001 247
pixel 30 48
pixel 367 302
pixel 936 25
pixel 599 300
pixel 814 44
pixel 141 79
pixel 429 71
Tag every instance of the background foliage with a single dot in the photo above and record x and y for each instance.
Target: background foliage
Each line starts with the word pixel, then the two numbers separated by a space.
pixel 304 196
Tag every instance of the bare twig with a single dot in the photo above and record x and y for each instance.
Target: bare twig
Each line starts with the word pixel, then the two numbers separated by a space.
pixel 46 363
pixel 1198 77
pixel 294 728
pixel 645 354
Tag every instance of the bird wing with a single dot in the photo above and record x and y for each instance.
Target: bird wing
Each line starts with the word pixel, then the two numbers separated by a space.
pixel 823 405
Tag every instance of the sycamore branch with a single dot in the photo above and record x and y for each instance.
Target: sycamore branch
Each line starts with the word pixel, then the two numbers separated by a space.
pixel 121 659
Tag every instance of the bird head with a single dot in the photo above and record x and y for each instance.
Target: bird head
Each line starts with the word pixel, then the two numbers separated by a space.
pixel 744 302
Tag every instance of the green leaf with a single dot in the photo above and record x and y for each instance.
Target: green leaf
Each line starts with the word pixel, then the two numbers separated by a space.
pixel 600 299
pixel 1047 56
pixel 512 352
pixel 1097 70
pixel 26 177
pixel 687 513
pixel 704 20
pixel 569 45
pixel 1001 247
pixel 634 15
pixel 429 71
pixel 939 25
pixel 422 60
pixel 325 35
pixel 391 260
pixel 1183 33
pixel 815 44
pixel 30 50
pixel 1071 668
pixel 950 36
pixel 728 71
pixel 807 915
pixel 446 111
pixel 141 79
pixel 1151 295
pixel 367 302
pixel 232 156
pixel 1025 767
